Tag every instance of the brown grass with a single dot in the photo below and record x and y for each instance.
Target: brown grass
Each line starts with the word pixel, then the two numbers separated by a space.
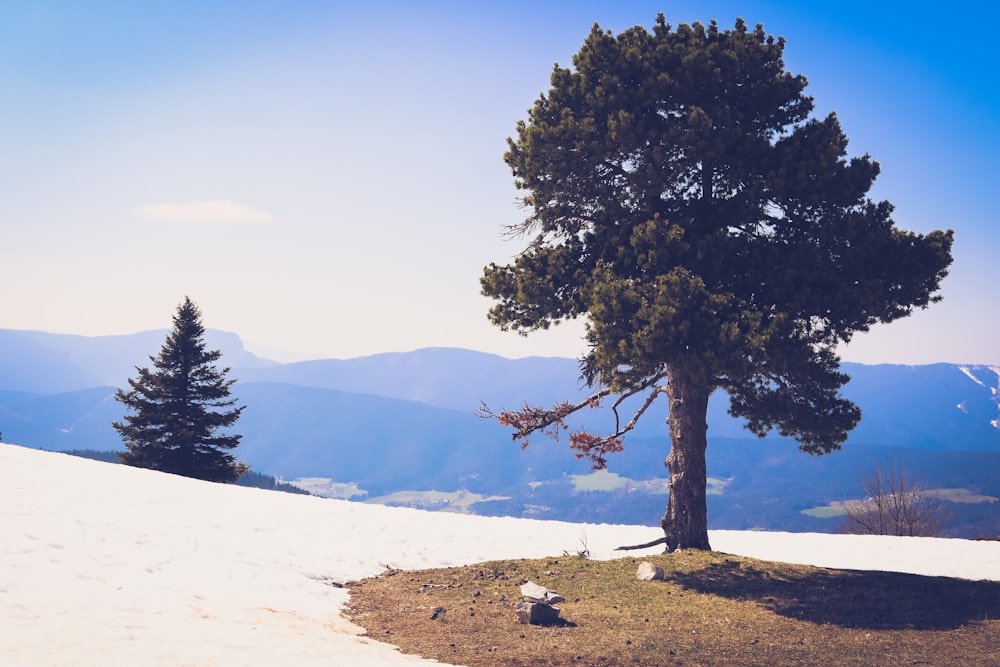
pixel 712 609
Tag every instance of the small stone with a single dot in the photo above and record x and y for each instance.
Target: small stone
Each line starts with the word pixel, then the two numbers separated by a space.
pixel 649 572
pixel 533 592
pixel 536 613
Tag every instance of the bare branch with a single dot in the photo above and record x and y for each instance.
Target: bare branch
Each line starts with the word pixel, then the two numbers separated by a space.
pixel 894 505
pixel 532 419
pixel 657 390
pixel 662 540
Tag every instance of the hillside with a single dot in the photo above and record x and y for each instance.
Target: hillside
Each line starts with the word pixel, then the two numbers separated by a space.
pixel 401 428
pixel 104 564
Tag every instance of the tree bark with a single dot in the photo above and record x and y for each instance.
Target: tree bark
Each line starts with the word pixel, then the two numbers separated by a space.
pixel 685 523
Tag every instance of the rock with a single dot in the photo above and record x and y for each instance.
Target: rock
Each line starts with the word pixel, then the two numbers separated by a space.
pixel 533 592
pixel 536 608
pixel 649 572
pixel 536 613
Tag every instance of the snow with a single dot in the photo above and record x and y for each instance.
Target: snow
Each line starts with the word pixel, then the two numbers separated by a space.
pixel 103 564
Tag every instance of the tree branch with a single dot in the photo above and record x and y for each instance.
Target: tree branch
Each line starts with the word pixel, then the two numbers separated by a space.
pixel 662 540
pixel 641 411
pixel 531 419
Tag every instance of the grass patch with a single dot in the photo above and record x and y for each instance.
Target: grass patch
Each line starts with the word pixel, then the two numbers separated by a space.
pixel 960 496
pixel 605 480
pixel 712 609
pixel 825 512
pixel 599 480
pixel 716 486
pixel 327 488
pixel 448 501
pixel 836 508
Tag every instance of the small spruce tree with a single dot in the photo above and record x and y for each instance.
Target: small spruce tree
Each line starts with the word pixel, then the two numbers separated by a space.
pixel 179 405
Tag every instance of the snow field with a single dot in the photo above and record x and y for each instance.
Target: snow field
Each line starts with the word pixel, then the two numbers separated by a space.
pixel 103 564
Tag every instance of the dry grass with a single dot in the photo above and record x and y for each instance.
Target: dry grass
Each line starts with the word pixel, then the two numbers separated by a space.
pixel 712 609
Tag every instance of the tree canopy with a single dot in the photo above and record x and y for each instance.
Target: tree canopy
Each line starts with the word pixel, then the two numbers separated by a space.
pixel 682 198
pixel 179 405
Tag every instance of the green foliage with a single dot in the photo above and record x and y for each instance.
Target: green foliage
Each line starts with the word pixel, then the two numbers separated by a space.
pixel 179 405
pixel 258 481
pixel 95 455
pixel 250 478
pixel 713 234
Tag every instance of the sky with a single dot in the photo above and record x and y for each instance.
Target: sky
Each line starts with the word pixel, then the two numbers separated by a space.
pixel 326 178
pixel 191 572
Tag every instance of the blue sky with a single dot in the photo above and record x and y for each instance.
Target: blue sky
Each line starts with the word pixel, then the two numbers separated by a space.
pixel 326 179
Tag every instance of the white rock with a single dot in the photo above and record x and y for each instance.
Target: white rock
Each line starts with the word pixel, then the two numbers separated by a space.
pixel 649 572
pixel 533 592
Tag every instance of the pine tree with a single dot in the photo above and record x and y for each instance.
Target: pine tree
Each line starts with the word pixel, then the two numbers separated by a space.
pixel 179 405
pixel 683 200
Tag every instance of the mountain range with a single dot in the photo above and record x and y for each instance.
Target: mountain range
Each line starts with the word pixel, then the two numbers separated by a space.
pixel 401 428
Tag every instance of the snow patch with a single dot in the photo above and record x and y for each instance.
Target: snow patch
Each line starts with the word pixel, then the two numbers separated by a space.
pixel 105 564
pixel 994 390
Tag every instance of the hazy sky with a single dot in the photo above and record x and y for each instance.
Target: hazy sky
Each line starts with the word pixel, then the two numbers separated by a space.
pixel 326 178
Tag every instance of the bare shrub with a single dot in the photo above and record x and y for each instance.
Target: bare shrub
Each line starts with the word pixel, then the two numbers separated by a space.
pixel 894 504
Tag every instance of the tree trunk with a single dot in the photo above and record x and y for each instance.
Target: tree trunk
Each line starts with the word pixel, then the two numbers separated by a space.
pixel 685 523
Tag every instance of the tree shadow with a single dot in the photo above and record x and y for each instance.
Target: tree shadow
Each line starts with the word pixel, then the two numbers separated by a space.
pixel 851 598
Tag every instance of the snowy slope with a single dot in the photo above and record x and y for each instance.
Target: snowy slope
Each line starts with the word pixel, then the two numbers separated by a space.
pixel 103 564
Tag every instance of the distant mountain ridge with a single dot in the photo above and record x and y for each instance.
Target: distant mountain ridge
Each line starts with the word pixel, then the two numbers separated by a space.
pixel 50 363
pixel 405 421
pixel 938 406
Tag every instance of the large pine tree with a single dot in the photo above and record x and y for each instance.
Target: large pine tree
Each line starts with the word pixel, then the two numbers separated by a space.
pixel 682 199
pixel 179 405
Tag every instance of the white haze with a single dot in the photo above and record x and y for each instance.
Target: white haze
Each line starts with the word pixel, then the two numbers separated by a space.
pixel 109 565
